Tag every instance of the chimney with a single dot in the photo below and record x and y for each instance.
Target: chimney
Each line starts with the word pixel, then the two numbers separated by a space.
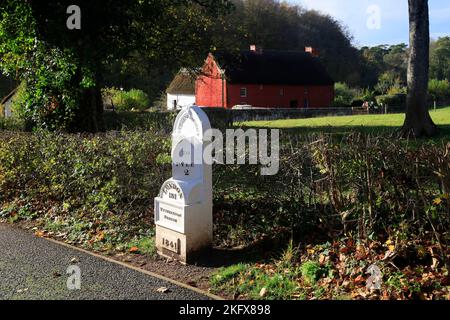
pixel 256 49
pixel 312 51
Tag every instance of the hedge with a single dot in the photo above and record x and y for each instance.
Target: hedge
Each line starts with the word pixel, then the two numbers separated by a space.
pixel 396 100
pixel 104 184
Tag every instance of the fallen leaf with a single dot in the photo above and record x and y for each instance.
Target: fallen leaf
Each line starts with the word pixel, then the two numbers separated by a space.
pixel 391 245
pixel 359 280
pixel 344 250
pixel 322 259
pixel 263 292
pixel 361 252
pixel 163 290
pixel 74 260
pixel 134 249
pixel 346 284
pixel 100 236
pixel 435 264
pixel 39 234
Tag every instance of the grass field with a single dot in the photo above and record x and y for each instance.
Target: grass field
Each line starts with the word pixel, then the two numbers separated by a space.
pixel 364 123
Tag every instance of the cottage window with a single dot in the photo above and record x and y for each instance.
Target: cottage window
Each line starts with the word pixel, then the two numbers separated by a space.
pixel 243 92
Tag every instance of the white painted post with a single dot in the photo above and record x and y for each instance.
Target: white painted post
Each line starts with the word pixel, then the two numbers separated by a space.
pixel 183 209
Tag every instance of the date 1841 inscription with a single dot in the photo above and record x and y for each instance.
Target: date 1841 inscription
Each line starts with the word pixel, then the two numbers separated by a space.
pixel 171 244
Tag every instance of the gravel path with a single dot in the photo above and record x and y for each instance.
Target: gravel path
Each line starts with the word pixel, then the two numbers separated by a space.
pixel 33 268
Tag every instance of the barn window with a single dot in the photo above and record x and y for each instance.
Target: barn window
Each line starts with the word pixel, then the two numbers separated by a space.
pixel 243 92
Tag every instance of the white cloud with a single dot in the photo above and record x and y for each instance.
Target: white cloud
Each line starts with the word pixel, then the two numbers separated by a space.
pixel 331 7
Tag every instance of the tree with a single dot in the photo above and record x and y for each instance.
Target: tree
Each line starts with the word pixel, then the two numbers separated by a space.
pixel 440 59
pixel 6 86
pixel 387 81
pixel 418 120
pixel 291 28
pixel 344 95
pixel 63 69
pixel 396 60
pixel 439 89
pixel 277 25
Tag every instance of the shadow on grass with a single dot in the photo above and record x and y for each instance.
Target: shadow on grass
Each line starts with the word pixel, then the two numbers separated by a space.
pixel 221 257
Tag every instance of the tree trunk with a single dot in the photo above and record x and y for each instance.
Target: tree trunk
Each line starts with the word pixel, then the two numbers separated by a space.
pixel 418 120
pixel 89 117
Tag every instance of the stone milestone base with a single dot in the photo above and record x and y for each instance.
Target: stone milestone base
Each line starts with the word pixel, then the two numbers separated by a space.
pixel 181 247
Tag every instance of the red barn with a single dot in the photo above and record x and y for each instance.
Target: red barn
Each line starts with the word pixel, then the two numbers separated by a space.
pixel 265 79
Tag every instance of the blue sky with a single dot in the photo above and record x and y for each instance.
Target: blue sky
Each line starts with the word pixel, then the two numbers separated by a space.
pixel 393 18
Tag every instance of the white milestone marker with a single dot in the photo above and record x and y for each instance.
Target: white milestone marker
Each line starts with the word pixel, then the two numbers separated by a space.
pixel 183 209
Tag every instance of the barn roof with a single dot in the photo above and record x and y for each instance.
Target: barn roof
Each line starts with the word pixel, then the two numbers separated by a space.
pixel 183 83
pixel 273 67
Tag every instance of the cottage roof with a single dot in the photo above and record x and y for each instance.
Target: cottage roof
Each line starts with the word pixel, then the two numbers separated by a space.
pixel 273 67
pixel 183 83
pixel 9 96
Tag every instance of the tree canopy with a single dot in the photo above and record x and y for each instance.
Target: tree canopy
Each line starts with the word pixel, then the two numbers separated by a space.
pixel 142 43
pixel 440 59
pixel 63 69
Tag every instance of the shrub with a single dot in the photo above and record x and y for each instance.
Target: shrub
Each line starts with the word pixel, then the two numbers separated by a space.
pixel 106 181
pixel 439 89
pixel 397 90
pixel 12 124
pixel 357 103
pixel 311 272
pixel 161 102
pixel 343 95
pixel 397 100
pixel 358 185
pixel 133 100
pixel 151 121
pixel 387 81
pixel 366 95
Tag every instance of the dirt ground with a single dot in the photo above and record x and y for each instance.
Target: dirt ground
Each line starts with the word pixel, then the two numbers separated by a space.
pixel 193 275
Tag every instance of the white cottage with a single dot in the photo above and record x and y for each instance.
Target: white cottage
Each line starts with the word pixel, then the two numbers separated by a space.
pixel 6 105
pixel 181 92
